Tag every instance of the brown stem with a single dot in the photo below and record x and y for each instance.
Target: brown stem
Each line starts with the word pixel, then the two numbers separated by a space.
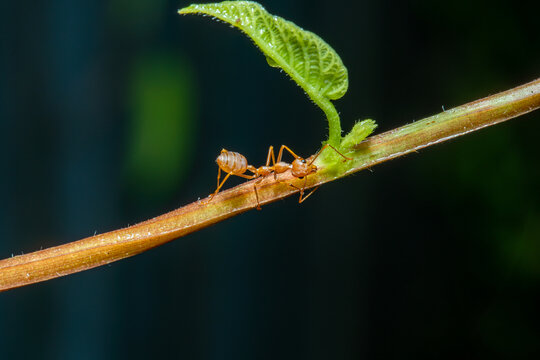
pixel 115 245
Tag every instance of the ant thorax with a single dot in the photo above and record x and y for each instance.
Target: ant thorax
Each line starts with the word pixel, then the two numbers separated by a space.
pixel 281 167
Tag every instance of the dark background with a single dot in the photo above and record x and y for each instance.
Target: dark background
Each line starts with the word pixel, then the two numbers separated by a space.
pixel 113 112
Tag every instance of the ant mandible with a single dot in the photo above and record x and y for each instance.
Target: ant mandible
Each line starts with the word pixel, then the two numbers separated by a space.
pixel 234 163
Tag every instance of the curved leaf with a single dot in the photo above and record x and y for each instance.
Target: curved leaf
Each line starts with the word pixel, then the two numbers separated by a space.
pixel 308 59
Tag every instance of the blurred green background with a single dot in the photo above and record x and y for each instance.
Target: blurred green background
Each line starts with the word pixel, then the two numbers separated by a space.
pixel 113 112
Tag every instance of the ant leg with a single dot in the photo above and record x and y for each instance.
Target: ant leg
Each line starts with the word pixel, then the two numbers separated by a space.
pixel 301 200
pixel 256 192
pixel 257 196
pixel 289 150
pixel 302 189
pixel 219 187
pixel 324 147
pixel 253 169
pixel 336 150
pixel 218 175
pixel 249 177
pixel 270 154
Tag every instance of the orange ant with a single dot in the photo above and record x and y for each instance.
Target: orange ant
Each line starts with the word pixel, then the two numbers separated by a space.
pixel 234 163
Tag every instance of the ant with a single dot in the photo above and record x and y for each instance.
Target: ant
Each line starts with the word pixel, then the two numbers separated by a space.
pixel 234 163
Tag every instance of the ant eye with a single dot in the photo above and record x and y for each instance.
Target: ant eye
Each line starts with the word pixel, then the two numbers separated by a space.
pixel 303 161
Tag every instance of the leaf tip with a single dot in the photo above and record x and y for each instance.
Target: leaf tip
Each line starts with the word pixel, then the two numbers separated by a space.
pixel 188 9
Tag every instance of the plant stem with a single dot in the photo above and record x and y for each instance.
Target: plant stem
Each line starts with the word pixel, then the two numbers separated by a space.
pixel 451 123
pixel 115 245
pixel 334 123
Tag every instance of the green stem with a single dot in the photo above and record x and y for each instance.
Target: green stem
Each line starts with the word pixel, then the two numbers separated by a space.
pixel 334 124
pixel 105 248
pixel 448 125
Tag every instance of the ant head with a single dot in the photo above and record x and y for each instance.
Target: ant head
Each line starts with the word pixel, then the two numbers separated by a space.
pixel 303 167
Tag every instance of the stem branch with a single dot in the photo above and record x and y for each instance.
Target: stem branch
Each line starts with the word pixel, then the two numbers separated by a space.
pixel 115 245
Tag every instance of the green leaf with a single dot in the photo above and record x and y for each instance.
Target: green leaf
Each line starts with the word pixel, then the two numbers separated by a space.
pixel 308 59
pixel 360 131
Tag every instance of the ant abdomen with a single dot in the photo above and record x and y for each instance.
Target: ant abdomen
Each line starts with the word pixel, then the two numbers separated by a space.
pixel 232 162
